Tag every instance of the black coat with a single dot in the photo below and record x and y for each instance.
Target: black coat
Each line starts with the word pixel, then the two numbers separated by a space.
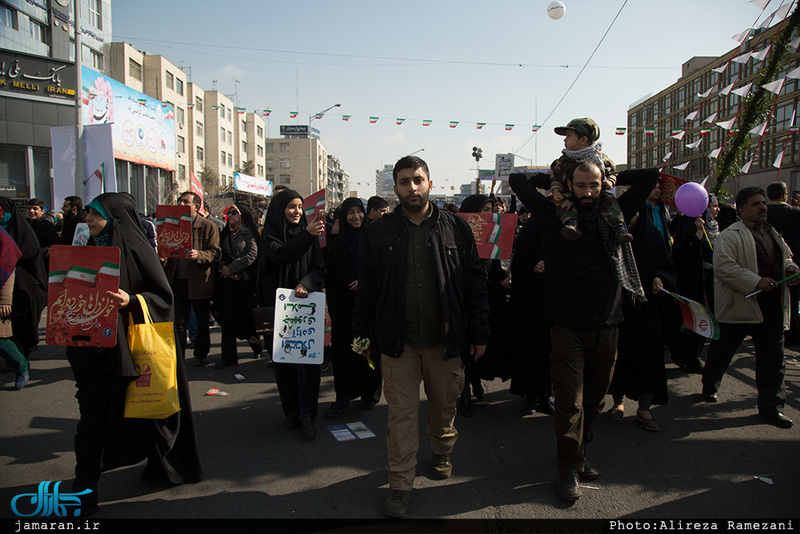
pixel 786 220
pixel 461 280
pixel 70 224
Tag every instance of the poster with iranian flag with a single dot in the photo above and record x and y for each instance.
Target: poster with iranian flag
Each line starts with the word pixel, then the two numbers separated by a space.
pixel 313 206
pixel 494 233
pixel 80 313
pixel 173 231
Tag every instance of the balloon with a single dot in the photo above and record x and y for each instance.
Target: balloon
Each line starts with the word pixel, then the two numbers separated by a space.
pixel 556 10
pixel 692 199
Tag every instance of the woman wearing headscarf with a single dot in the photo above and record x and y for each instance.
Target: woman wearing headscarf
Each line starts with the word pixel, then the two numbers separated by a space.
pixel 30 280
pixel 235 287
pixel 105 439
pixel 9 254
pixel 352 376
pixel 495 361
pixel 290 257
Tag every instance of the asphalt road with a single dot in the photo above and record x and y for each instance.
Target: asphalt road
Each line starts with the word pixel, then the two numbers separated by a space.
pixel 704 463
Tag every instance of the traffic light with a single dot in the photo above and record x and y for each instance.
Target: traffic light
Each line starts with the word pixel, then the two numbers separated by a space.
pixel 477 153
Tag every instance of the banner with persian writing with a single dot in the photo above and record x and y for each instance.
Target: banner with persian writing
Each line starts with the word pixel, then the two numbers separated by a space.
pixel 494 233
pixel 80 313
pixel 173 231
pixel 299 328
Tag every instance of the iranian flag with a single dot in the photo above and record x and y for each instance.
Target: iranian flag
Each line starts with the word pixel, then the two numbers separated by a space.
pixel 214 107
pixel 190 106
pixel 535 128
pixel 266 112
pixel 453 124
pixel 696 317
pixel 240 111
pixel 99 173
pixel 493 232
pixel 346 117
pixel 142 101
pixel 509 127
pixel 705 131
pixel 480 125
pixel 56 277
pixel 313 203
pixel 171 219
pixel 109 269
pixel 169 115
pixel 620 131
pixel 373 120
pixel 186 217
pixel 80 275
pixel 319 115
pixel 196 186
pixel 400 121
pixel 649 131
pixel 292 114
pixel 426 122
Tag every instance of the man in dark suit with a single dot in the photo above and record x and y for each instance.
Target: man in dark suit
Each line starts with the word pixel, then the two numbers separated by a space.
pixel 786 220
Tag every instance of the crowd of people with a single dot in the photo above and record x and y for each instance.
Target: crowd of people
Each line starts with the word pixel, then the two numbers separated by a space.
pixel 580 310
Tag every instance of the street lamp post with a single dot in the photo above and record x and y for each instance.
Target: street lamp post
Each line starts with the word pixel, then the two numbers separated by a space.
pixel 416 152
pixel 477 153
pixel 310 160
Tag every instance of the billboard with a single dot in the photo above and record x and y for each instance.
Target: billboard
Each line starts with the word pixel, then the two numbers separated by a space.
pixel 251 184
pixel 143 128
pixel 298 130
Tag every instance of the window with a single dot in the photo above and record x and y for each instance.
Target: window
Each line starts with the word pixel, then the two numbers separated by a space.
pixel 270 164
pixel 230 160
pixel 284 147
pixel 37 31
pixel 223 157
pixel 259 132
pixel 244 126
pixel 284 163
pixel 8 17
pixel 181 172
pixel 135 70
pixel 198 103
pixel 286 179
pixel 170 80
pixel 180 116
pixel 244 147
pixel 229 113
pixel 260 170
pixel 260 150
pixel 222 135
pixel 71 50
pixel 230 137
pixel 95 13
pixel 200 153
pixel 96 60
pixel 199 128
pixel 222 112
pixel 181 144
pixel 179 87
pixel 270 148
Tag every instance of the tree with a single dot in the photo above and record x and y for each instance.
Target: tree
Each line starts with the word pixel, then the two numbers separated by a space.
pixel 248 168
pixel 210 180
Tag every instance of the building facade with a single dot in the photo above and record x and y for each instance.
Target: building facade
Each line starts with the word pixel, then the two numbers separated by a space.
pixel 704 97
pixel 338 183
pixel 384 182
pixel 297 160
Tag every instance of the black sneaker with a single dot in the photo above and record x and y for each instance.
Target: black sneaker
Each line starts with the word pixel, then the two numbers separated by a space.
pixel 396 504
pixel 442 466
pixel 336 409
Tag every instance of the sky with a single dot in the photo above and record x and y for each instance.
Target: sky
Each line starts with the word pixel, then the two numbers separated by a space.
pixel 502 62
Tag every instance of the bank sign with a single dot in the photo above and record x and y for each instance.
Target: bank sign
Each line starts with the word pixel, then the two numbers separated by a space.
pixel 28 75
pixel 143 128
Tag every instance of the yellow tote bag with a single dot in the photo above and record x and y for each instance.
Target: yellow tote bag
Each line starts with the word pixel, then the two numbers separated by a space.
pixel 154 395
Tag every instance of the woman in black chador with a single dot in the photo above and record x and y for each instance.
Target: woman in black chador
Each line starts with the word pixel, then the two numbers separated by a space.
pixel 105 439
pixel 352 376
pixel 290 257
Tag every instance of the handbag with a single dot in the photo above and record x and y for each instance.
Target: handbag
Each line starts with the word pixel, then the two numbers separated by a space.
pixel 263 317
pixel 154 394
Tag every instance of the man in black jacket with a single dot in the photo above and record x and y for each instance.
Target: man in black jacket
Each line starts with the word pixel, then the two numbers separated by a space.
pixel 422 300
pixel 73 212
pixel 584 279
pixel 786 220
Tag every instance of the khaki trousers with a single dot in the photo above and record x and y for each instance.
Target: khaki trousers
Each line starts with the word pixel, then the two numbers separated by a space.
pixel 444 380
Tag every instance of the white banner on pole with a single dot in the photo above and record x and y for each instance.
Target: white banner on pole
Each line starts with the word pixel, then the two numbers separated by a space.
pixel 98 157
pixel 62 140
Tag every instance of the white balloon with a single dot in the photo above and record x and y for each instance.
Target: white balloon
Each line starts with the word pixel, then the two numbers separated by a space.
pixel 556 10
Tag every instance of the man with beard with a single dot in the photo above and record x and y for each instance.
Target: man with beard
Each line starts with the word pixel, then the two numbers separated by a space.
pixel 73 214
pixel 422 300
pixel 583 284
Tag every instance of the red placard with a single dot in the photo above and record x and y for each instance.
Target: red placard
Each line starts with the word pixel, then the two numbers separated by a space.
pixel 669 185
pixel 494 233
pixel 314 207
pixel 79 312
pixel 174 231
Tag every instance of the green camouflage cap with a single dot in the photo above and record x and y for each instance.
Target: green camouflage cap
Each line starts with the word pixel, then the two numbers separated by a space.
pixel 583 127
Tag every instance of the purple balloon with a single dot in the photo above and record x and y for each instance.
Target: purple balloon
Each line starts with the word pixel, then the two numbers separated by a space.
pixel 692 199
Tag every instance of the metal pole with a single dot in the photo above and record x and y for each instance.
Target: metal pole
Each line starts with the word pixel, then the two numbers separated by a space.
pixel 80 188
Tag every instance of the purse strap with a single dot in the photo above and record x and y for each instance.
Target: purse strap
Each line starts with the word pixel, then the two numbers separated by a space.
pixel 145 312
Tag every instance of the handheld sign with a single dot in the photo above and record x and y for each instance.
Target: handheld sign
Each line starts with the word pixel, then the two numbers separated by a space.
pixel 79 312
pixel 299 328
pixel 173 231
pixel 81 235
pixel 493 232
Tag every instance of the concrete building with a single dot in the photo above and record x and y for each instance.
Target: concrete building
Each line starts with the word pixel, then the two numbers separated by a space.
pixel 297 160
pixel 384 182
pixel 217 132
pixel 249 143
pixel 36 40
pixel 654 120
pixel 338 187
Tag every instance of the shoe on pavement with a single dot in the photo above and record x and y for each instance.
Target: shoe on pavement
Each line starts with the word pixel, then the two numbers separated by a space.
pixel 223 365
pixel 368 404
pixel 199 362
pixel 710 397
pixel 777 419
pixel 589 471
pixel 617 412
pixel 442 466
pixel 546 406
pixel 22 379
pixel 648 423
pixel 292 422
pixel 465 405
pixel 396 504
pixel 528 405
pixel 336 409
pixel 569 488
pixel 309 432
